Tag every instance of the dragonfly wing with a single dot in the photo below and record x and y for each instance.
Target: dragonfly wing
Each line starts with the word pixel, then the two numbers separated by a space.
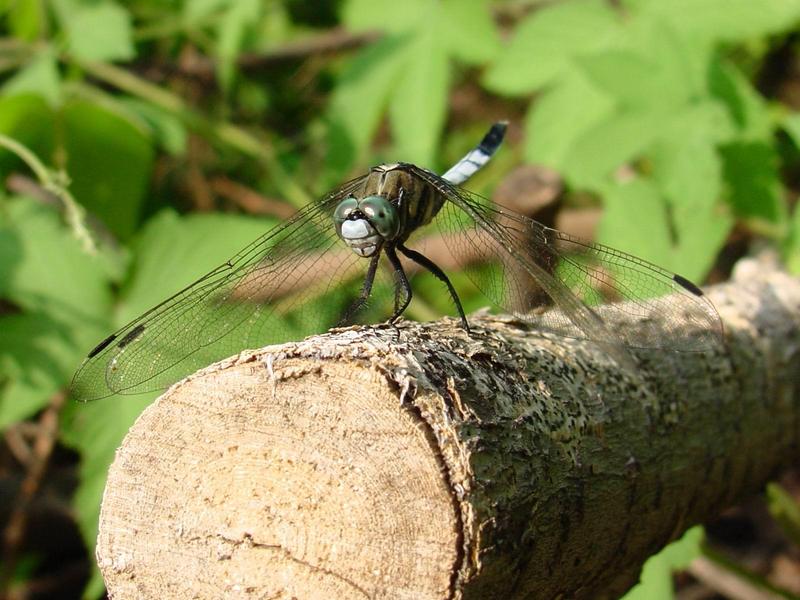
pixel 595 292
pixel 258 297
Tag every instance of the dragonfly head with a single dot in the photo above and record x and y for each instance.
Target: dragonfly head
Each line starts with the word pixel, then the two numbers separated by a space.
pixel 366 223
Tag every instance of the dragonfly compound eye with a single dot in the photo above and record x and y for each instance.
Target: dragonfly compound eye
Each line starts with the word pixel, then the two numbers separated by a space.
pixel 343 210
pixel 382 214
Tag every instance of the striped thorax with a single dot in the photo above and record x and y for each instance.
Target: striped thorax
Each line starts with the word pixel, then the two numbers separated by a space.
pixel 388 207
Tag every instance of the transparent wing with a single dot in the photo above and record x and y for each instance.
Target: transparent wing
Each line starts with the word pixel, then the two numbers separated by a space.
pixel 264 294
pixel 598 292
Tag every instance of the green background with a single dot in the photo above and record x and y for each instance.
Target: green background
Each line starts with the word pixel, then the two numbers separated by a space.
pixel 672 115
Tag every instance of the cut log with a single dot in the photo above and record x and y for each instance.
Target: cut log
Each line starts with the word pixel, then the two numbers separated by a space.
pixel 423 462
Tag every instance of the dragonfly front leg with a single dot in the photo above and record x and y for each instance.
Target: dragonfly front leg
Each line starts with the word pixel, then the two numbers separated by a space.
pixel 427 263
pixel 366 290
pixel 402 296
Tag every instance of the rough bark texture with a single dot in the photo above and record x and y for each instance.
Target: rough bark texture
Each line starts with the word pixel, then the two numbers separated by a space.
pixel 426 463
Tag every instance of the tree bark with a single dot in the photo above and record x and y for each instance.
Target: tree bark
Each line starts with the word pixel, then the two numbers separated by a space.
pixel 423 462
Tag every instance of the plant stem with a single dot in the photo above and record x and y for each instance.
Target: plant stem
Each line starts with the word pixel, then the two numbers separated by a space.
pixel 56 184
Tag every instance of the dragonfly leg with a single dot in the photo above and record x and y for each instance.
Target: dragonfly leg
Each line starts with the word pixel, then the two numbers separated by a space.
pixel 363 295
pixel 427 263
pixel 402 287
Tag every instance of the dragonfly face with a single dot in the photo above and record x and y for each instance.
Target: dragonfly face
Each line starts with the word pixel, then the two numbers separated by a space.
pixel 366 224
pixel 617 300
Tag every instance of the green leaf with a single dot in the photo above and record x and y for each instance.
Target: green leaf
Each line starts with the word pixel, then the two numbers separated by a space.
pixel 792 249
pixel 28 119
pixel 27 19
pixel 785 510
pixel 172 252
pixel 40 76
pixel 724 20
pixel 627 76
pixel 409 70
pixel 790 123
pixel 753 182
pixel 673 218
pixel 359 99
pixel 196 11
pixel 546 43
pixel 62 302
pixel 560 116
pixel 657 68
pixel 596 154
pixel 109 161
pixel 688 172
pixel 233 26
pixel 360 15
pixel 98 31
pixel 656 578
pixel 167 129
pixel 468 30
pixel 747 109
pixel 635 220
pixel 417 109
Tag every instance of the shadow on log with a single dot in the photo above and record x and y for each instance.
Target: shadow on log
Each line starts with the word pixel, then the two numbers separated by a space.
pixel 422 462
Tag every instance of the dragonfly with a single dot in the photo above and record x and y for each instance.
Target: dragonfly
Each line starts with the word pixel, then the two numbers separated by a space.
pixel 563 284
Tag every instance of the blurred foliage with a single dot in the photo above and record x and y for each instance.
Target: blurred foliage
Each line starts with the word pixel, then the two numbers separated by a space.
pixel 669 113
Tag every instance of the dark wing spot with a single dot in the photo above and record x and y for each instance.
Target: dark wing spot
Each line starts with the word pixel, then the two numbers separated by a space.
pixel 686 284
pixel 104 344
pixel 131 335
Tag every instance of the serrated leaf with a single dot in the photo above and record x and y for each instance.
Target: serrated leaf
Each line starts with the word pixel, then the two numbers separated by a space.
pixel 109 161
pixel 546 42
pixel 98 31
pixel 560 116
pixel 417 110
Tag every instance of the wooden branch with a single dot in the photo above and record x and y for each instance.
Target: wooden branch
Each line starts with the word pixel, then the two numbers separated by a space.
pixel 427 463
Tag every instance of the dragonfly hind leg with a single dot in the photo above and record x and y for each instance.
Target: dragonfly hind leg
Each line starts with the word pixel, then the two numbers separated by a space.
pixel 431 266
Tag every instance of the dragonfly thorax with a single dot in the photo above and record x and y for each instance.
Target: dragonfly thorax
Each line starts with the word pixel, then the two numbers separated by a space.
pixel 364 224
